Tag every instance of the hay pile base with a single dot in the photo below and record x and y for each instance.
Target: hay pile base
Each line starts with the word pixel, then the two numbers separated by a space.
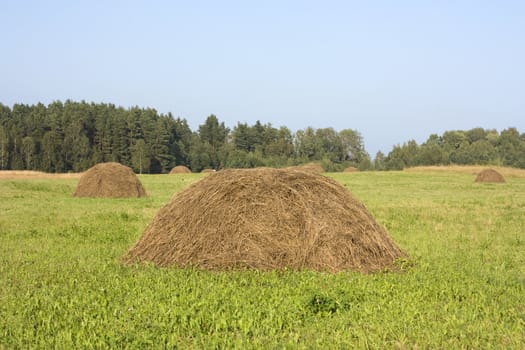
pixel 109 180
pixel 265 219
pixel 490 175
pixel 180 169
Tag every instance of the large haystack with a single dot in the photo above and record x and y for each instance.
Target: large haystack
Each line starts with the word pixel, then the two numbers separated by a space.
pixel 490 175
pixel 180 169
pixel 265 219
pixel 110 180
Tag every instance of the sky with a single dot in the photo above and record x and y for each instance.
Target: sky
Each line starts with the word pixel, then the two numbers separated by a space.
pixel 392 70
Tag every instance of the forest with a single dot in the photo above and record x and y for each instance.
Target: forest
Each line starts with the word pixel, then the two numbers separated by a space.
pixel 73 136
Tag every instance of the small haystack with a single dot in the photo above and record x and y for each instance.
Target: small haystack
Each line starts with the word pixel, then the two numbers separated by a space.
pixel 109 180
pixel 490 175
pixel 180 169
pixel 266 219
pixel 351 169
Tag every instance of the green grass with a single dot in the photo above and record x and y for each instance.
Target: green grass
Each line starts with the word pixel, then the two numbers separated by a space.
pixel 62 285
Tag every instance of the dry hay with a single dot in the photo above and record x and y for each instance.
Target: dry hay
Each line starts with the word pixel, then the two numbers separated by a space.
pixel 489 175
pixel 310 167
pixel 180 169
pixel 109 180
pixel 266 219
pixel 351 169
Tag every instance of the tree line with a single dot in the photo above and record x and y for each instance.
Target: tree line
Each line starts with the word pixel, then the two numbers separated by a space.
pixel 73 136
pixel 477 146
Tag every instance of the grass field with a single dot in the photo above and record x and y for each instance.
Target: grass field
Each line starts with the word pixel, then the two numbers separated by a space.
pixel 62 285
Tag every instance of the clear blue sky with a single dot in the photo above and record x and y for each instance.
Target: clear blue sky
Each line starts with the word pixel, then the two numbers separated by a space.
pixel 393 70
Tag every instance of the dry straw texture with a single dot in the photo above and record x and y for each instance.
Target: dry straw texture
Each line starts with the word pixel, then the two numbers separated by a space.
pixel 180 169
pixel 266 219
pixel 109 180
pixel 490 175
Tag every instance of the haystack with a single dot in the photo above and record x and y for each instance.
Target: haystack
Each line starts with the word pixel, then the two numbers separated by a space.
pixel 180 169
pixel 490 175
pixel 110 180
pixel 351 169
pixel 265 219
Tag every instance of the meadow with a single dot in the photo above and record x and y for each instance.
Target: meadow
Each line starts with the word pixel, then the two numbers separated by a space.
pixel 62 284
